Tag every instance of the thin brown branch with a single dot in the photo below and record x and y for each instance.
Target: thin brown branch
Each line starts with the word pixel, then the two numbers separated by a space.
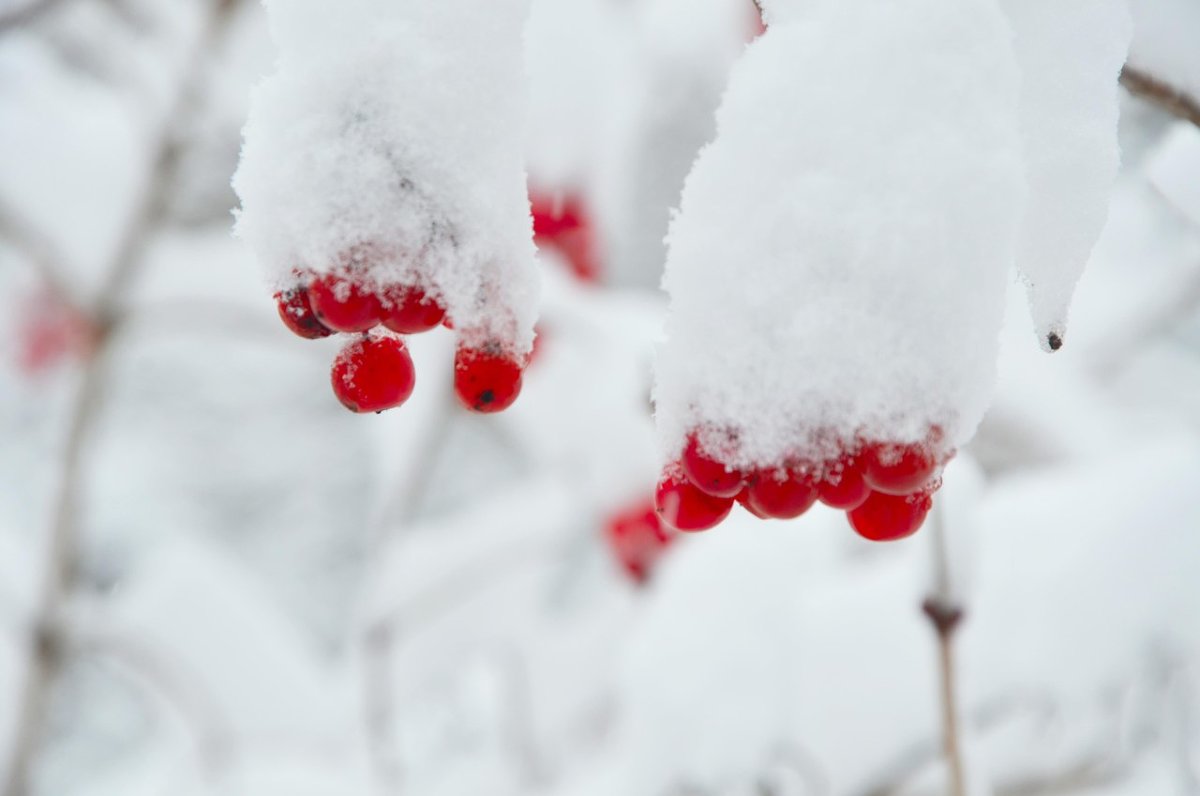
pixel 945 615
pixel 40 253
pixel 46 648
pixel 1171 99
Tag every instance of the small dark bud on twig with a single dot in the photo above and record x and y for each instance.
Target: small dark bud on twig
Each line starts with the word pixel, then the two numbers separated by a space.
pixel 944 616
pixel 1054 340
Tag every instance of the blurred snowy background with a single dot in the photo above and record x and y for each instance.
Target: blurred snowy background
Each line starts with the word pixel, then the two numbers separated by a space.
pixel 215 580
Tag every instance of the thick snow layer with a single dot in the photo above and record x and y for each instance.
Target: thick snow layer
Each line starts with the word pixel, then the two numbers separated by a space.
pixel 1070 54
pixel 839 262
pixel 391 135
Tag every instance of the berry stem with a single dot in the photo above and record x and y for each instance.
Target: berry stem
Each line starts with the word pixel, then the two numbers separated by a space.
pixel 946 615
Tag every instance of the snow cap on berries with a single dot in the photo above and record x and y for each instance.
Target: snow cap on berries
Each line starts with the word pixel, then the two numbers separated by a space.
pixel 388 143
pixel 838 267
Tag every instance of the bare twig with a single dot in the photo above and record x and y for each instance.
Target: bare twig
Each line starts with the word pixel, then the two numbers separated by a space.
pixel 46 644
pixel 1171 99
pixel 946 615
pixel 39 251
pixel 46 647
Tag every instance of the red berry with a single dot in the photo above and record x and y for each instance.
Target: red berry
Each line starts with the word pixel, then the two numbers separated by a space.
pixel 638 539
pixel 343 304
pixel 896 469
pixel 843 486
pixel 486 379
pixel 408 310
pixel 743 498
pixel 886 518
pixel 707 473
pixel 373 374
pixel 781 494
pixel 298 316
pixel 684 507
pixel 563 222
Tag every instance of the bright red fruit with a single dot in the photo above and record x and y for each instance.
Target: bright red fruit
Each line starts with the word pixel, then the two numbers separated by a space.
pixel 743 498
pixel 298 316
pixel 638 539
pixel 562 221
pixel 707 473
pixel 684 507
pixel 486 379
pixel 343 304
pixel 408 310
pixel 782 495
pixel 373 374
pixel 886 518
pixel 843 486
pixel 896 469
pixel 49 330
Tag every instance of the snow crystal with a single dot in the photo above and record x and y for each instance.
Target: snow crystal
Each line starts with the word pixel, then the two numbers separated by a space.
pixel 392 133
pixel 1070 52
pixel 839 263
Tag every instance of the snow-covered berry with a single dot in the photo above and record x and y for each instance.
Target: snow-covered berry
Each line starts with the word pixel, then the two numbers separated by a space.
pixel 408 310
pixel 781 493
pixel 344 303
pixel 684 507
pixel 898 469
pixel 843 486
pixel 707 472
pixel 297 314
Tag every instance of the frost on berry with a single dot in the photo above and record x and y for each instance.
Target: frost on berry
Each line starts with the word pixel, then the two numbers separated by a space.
pixel 842 485
pixel 407 309
pixel 683 506
pixel 387 149
pixel 345 302
pixel 707 469
pixel 898 469
pixel 296 312
pixel 372 374
pixel 838 287
pixel 781 493
pixel 487 378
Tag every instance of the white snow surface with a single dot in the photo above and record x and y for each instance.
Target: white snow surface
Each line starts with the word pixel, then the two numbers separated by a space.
pixel 865 225
pixel 391 133
pixel 1070 53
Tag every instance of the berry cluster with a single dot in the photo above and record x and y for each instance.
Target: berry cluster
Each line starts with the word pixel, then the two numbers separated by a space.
pixel 374 371
pixel 638 539
pixel 563 223
pixel 885 488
